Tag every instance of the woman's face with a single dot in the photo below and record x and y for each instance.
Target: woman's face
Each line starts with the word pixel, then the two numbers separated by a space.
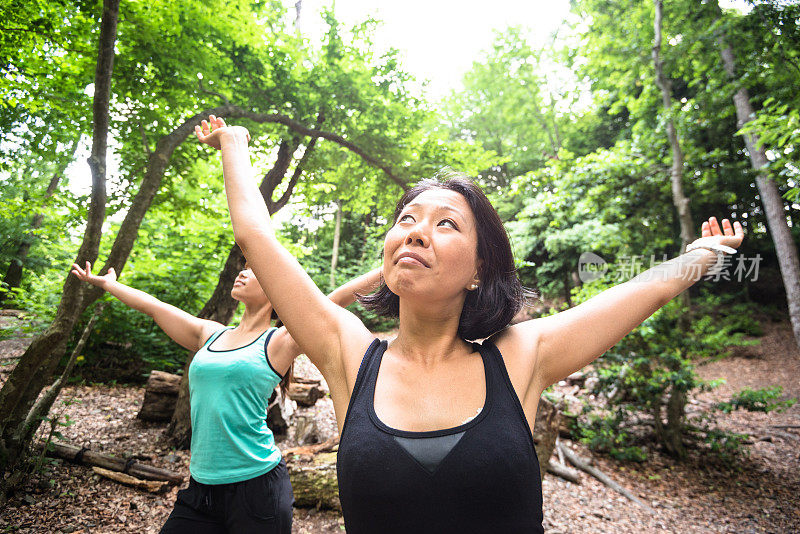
pixel 432 250
pixel 247 289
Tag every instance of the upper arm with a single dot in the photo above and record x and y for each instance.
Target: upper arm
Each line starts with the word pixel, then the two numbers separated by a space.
pixel 322 330
pixel 185 329
pixel 573 338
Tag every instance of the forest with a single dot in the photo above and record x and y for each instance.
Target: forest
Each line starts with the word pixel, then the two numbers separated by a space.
pixel 603 145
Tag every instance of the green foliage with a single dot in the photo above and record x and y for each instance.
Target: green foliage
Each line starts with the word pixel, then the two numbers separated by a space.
pixel 568 139
pixel 654 362
pixel 360 250
pixel 758 400
pixel 726 447
pixel 606 434
pixel 777 127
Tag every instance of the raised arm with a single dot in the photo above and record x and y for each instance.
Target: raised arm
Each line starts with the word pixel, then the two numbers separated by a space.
pixel 345 294
pixel 283 349
pixel 183 328
pixel 323 330
pixel 561 344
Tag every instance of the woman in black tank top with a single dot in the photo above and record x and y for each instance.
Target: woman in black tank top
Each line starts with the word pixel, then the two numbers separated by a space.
pixel 435 430
pixel 481 476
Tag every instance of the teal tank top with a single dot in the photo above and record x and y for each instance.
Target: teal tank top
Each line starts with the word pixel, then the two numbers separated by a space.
pixel 229 396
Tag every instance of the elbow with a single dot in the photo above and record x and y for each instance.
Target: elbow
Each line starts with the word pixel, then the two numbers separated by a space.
pixel 249 238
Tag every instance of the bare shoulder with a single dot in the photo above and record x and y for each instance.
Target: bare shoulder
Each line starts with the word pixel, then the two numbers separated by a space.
pixel 206 330
pixel 353 347
pixel 519 346
pixel 339 363
pixel 519 341
pixel 282 350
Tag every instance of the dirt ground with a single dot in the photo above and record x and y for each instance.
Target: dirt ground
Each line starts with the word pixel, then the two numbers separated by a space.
pixel 759 495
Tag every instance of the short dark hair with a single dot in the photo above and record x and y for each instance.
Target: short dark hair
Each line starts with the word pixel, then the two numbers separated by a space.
pixel 500 295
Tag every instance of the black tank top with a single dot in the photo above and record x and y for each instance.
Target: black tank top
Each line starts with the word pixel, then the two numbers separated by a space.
pixel 481 476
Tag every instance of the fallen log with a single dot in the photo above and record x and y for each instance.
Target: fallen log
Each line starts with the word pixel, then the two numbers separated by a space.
pixel 280 414
pixel 313 479
pixel 787 427
pixel 310 450
pixel 563 471
pixel 297 379
pixel 160 396
pixel 153 486
pixel 312 470
pixel 85 456
pixel 305 394
pixel 785 436
pixel 305 430
pixel 575 460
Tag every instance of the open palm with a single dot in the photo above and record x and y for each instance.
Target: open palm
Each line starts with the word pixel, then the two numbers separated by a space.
pixel 729 235
pixel 87 276
pixel 211 131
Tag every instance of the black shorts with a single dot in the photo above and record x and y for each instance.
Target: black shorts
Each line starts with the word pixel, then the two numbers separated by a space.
pixel 260 505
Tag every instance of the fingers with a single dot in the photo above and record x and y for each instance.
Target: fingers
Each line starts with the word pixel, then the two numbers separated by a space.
pixel 726 227
pixel 77 271
pixel 711 227
pixel 715 229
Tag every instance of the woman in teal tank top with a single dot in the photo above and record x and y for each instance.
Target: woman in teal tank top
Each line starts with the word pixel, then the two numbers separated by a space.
pixel 238 483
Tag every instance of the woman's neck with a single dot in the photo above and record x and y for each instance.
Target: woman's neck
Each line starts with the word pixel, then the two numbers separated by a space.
pixel 255 318
pixel 428 334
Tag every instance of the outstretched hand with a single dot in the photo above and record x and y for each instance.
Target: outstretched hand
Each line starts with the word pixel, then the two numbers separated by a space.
pixel 87 276
pixel 211 131
pixel 728 235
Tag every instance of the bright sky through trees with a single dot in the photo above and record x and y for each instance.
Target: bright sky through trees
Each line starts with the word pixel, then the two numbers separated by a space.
pixel 439 40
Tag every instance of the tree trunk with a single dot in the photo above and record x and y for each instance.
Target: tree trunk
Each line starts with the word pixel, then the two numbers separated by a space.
pixel 45 401
pixel 39 361
pixel 337 232
pixel 160 395
pixel 785 247
pixel 673 432
pixel 676 174
pixel 298 6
